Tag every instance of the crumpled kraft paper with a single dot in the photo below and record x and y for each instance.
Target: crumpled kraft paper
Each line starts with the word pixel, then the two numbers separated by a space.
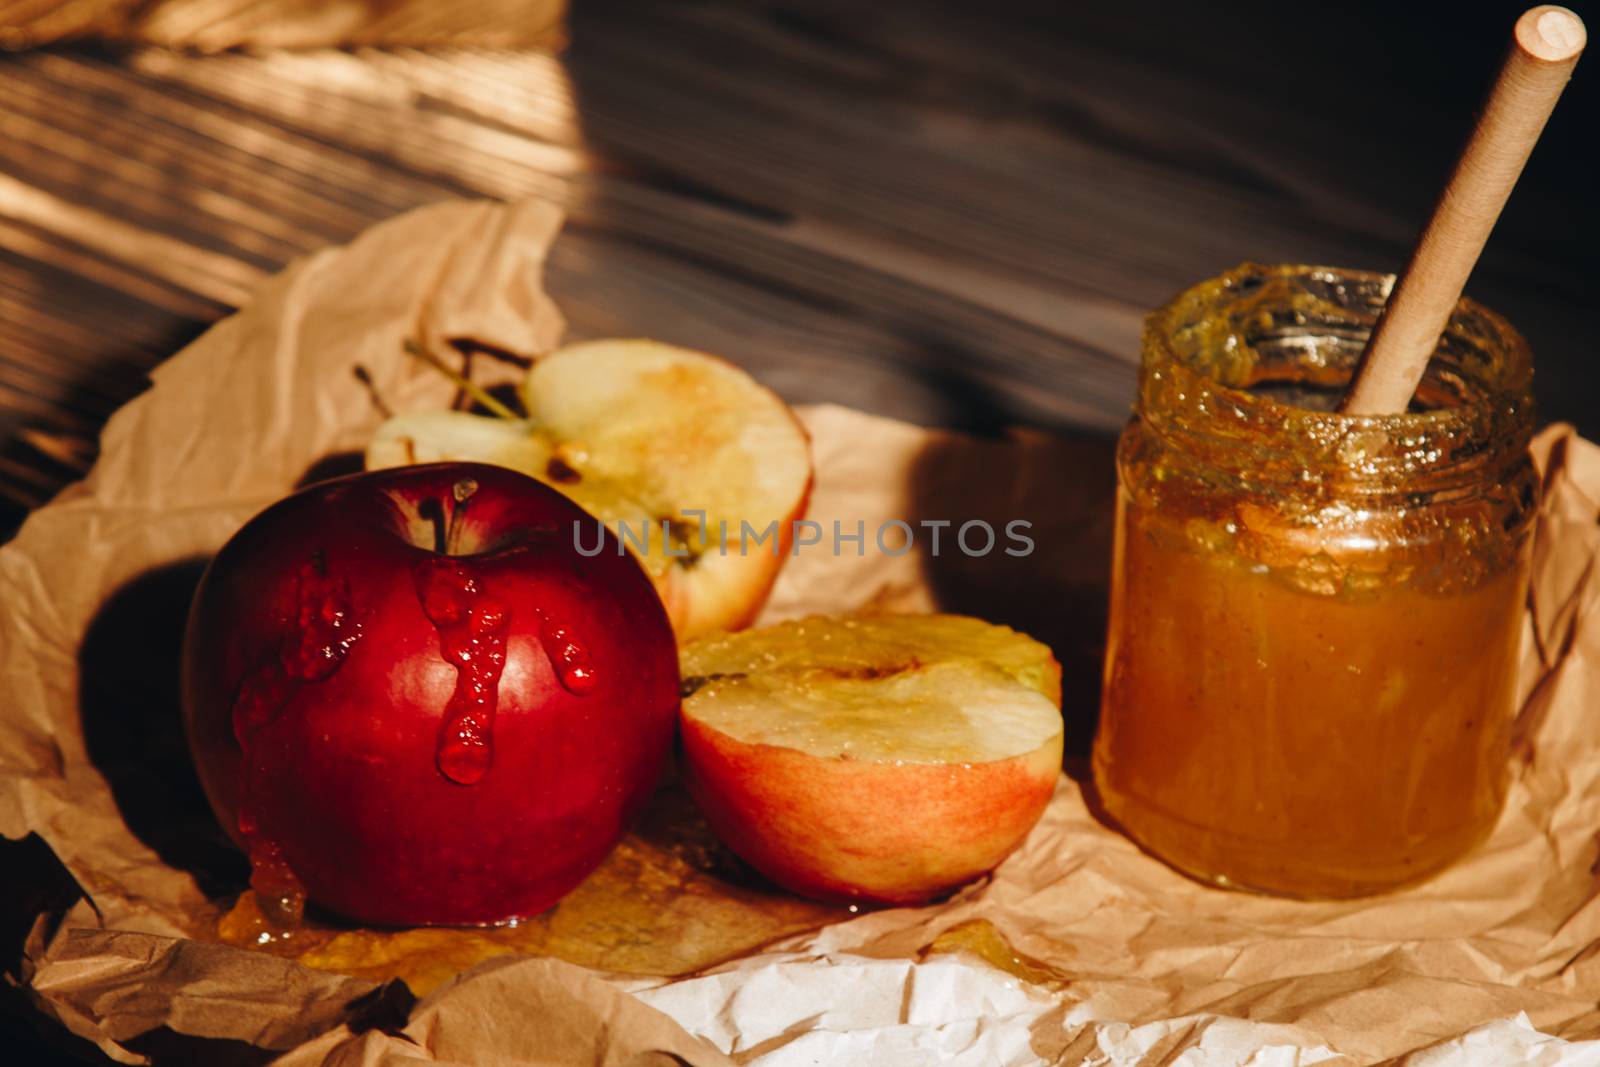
pixel 1111 958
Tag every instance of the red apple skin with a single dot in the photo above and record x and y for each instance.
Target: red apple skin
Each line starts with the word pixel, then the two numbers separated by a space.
pixel 348 781
pixel 847 830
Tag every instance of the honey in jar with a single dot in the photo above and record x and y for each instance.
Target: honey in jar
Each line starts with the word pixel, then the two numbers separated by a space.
pixel 1315 617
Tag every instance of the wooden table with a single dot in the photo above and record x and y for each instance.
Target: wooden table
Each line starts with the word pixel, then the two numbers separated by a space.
pixel 950 212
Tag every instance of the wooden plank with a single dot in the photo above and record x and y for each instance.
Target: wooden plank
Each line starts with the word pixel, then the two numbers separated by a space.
pixel 947 212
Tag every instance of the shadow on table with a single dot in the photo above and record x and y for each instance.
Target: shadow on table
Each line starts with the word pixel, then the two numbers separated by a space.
pixel 333 465
pixel 1049 578
pixel 131 709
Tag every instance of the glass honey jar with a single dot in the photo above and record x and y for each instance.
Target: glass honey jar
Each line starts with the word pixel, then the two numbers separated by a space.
pixel 1315 618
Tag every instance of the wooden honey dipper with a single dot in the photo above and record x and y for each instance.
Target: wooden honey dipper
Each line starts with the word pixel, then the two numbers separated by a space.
pixel 1544 49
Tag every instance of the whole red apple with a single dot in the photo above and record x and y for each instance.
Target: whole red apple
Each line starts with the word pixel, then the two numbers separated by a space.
pixel 413 700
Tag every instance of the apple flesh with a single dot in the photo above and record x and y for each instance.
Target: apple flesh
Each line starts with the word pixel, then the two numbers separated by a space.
pixel 706 468
pixel 411 699
pixel 886 759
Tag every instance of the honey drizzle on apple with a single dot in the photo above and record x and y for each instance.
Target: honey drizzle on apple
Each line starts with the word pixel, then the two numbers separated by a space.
pixel 569 658
pixel 472 629
pixel 472 636
pixel 317 635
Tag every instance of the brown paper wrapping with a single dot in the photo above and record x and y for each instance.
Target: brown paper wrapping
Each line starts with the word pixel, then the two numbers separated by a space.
pixel 1109 953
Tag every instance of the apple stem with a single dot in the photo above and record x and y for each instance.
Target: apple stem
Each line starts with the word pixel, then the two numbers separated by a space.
pixel 477 392
pixel 462 492
pixel 364 376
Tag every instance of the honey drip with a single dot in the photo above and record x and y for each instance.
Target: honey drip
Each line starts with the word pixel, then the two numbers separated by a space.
pixel 472 636
pixel 669 900
pixel 569 659
pixel 317 635
pixel 981 938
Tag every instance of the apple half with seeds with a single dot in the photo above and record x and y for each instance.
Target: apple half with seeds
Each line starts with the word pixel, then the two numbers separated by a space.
pixel 885 758
pixel 645 437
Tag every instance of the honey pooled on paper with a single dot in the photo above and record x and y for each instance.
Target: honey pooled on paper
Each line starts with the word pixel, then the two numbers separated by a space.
pixel 668 901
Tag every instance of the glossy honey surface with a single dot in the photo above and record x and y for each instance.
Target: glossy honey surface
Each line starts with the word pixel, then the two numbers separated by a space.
pixel 1315 618
pixel 1264 736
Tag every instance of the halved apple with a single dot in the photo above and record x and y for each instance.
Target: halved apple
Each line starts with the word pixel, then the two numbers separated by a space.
pixel 881 758
pixel 646 436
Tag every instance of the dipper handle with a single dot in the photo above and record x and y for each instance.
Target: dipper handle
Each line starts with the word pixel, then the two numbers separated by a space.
pixel 1544 48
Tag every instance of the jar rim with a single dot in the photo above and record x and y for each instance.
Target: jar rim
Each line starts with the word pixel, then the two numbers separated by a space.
pixel 1199 358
